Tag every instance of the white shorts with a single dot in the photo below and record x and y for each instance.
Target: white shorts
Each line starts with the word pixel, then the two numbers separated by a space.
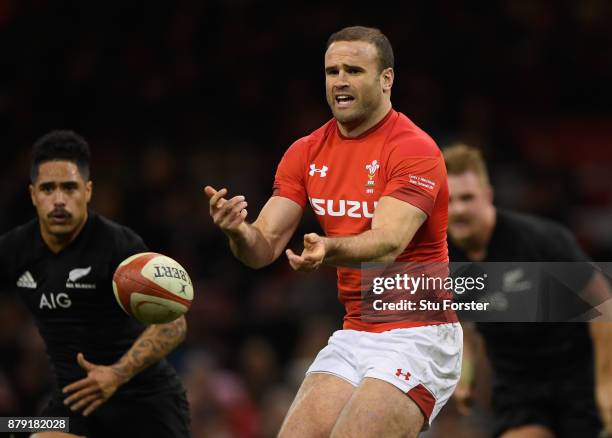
pixel 423 362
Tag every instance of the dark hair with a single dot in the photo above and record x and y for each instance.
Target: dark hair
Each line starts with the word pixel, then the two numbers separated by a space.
pixel 369 35
pixel 60 146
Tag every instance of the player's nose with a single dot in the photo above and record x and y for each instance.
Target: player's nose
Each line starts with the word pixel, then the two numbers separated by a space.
pixel 455 208
pixel 341 80
pixel 59 198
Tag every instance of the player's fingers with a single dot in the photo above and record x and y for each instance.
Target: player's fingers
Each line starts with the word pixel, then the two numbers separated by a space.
pixel 84 363
pixel 209 191
pixel 299 262
pixel 214 200
pixel 220 203
pixel 235 208
pixel 311 237
pixel 84 402
pixel 92 407
pixel 236 199
pixel 231 218
pixel 229 209
pixel 311 264
pixel 294 260
pixel 80 384
pixel 233 203
pixel 235 221
pixel 80 394
pixel 238 209
pixel 310 259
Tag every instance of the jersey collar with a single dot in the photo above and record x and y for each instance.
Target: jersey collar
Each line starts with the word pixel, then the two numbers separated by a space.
pixel 369 131
pixel 83 236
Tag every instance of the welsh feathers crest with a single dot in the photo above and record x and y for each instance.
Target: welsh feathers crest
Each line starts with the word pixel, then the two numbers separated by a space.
pixel 372 167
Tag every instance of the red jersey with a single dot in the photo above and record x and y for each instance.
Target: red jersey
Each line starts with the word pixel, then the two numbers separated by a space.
pixel 343 178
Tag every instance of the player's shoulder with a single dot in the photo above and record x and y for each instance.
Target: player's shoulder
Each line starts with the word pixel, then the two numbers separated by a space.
pixel 532 227
pixel 539 237
pixel 315 137
pixel 19 236
pixel 116 240
pixel 18 246
pixel 113 232
pixel 409 138
pixel 301 148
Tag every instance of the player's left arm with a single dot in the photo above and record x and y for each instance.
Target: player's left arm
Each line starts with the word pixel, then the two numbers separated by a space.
pixel 601 333
pixel 394 224
pixel 103 380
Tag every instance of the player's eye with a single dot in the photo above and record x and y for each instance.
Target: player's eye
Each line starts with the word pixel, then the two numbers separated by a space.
pixel 69 187
pixel 47 188
pixel 331 72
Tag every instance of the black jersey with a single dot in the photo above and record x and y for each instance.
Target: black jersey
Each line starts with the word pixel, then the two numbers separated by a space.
pixel 71 297
pixel 533 349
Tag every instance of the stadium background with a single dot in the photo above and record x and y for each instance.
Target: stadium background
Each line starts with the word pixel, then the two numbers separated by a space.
pixel 175 95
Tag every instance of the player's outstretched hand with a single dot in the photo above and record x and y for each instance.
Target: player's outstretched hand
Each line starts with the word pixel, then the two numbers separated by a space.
pixel 312 256
pixel 226 214
pixel 90 392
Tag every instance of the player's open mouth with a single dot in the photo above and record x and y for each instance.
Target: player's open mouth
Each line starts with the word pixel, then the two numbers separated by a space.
pixel 460 225
pixel 59 217
pixel 344 100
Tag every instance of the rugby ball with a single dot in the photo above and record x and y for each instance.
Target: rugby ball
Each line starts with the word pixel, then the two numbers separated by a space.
pixel 152 288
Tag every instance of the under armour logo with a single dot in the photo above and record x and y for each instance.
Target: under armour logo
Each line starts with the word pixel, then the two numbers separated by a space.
pixel 406 374
pixel 322 171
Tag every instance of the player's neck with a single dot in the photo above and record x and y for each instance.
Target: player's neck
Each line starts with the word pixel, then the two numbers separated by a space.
pixel 350 131
pixel 57 242
pixel 477 248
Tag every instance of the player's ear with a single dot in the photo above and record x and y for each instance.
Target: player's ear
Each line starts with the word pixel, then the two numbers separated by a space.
pixel 490 194
pixel 31 187
pixel 386 79
pixel 88 190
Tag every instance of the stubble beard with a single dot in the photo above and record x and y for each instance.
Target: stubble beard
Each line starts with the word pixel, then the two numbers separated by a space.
pixel 352 118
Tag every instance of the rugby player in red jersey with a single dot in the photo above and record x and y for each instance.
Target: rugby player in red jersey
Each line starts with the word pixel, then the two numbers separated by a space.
pixel 378 186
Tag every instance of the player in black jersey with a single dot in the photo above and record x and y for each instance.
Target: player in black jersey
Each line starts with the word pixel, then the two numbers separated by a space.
pixel 546 381
pixel 111 376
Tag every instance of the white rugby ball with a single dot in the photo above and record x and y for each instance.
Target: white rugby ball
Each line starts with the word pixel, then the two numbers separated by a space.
pixel 152 288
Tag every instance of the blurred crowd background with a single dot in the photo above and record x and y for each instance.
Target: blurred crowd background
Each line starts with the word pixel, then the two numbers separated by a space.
pixel 174 95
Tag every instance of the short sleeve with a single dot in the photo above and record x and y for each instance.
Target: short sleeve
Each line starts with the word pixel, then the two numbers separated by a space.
pixel 289 179
pixel 415 179
pixel 567 262
pixel 563 247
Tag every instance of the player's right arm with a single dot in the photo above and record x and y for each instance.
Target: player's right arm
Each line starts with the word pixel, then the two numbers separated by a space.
pixel 260 243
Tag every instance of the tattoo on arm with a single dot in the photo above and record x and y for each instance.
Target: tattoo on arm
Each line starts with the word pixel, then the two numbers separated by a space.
pixel 151 346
